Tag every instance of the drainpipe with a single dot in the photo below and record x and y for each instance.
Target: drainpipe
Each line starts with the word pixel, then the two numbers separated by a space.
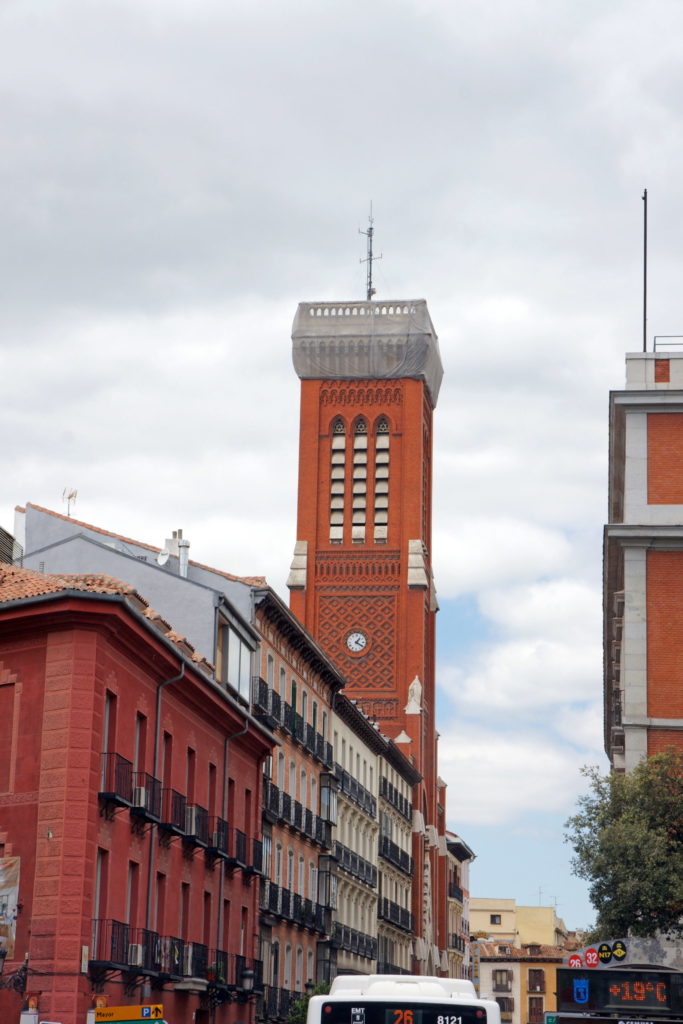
pixel 157 731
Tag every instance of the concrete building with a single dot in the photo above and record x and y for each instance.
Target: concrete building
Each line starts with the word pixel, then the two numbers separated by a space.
pixel 503 920
pixel 361 579
pixel 643 562
pixel 129 786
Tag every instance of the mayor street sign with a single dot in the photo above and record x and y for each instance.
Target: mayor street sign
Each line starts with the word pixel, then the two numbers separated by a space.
pixel 114 1014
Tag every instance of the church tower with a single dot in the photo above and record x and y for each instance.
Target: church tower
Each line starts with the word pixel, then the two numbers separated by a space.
pixel 361 579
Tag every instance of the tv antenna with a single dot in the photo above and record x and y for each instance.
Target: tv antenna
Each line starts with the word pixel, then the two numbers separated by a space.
pixel 69 496
pixel 369 258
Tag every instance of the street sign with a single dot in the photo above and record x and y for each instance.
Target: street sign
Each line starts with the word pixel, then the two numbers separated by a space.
pixel 592 958
pixel 575 961
pixel 114 1014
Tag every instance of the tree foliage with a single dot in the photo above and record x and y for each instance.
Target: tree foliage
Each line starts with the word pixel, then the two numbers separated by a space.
pixel 628 844
pixel 299 1008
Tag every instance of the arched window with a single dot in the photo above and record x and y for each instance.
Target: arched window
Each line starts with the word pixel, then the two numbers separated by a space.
pixel 270 670
pixel 290 869
pixel 312 881
pixel 277 870
pixel 310 969
pixel 302 875
pixel 360 481
pixel 299 969
pixel 302 787
pixel 281 770
pixel 275 964
pixel 381 512
pixel 292 779
pixel 287 979
pixel 314 795
pixel 304 705
pixel 337 481
pixel 283 684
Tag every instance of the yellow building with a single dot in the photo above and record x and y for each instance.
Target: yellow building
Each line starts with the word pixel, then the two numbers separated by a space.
pixel 500 919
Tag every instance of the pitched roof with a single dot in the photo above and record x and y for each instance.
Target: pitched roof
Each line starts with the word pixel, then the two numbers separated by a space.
pixel 18 584
pixel 251 581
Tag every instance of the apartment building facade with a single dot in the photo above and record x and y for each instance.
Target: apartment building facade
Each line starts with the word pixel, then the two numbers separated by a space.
pixel 522 979
pixel 128 799
pixel 643 559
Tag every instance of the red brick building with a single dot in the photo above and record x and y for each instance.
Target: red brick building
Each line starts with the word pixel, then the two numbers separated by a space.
pixel 130 793
pixel 361 580
pixel 643 565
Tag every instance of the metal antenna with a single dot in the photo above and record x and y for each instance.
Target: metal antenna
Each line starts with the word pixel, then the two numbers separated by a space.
pixel 369 258
pixel 645 271
pixel 68 496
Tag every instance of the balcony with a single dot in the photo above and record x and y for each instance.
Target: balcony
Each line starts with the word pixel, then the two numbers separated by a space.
pixel 455 892
pixel 173 813
pixel 171 958
pixel 266 703
pixel 271 801
pixel 352 789
pixel 456 942
pixel 384 967
pixel 118 947
pixel 293 907
pixel 276 1003
pixel 146 798
pixel 389 792
pixel 393 853
pixel 356 865
pixel 116 780
pixel 394 914
pixel 196 826
pixel 219 837
pixel 352 941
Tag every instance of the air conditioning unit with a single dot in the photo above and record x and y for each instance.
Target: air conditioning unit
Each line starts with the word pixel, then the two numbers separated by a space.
pixel 139 796
pixel 165 955
pixel 135 954
pixel 191 821
pixel 188 960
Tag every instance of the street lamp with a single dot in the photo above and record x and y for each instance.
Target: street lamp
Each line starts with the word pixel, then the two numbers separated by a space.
pixel 310 988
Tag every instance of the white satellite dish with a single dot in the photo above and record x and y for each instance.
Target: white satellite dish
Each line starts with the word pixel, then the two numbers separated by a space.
pixel 163 557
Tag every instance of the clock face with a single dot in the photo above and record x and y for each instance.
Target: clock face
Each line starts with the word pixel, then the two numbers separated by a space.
pixel 356 641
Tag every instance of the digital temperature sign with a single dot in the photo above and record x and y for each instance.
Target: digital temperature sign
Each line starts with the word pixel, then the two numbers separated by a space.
pixel 622 991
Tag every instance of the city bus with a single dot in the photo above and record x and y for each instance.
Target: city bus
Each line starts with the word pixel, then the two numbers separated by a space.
pixel 401 999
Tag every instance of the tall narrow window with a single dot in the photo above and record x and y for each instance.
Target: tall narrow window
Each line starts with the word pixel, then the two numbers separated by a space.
pixel 140 753
pixel 337 482
pixel 190 770
pixel 167 761
pixel 184 916
pixel 270 670
pixel 304 705
pixel 132 893
pixel 160 905
pixel 360 482
pixel 381 482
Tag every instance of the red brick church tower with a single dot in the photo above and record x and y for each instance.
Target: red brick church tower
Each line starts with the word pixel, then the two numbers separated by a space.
pixel 361 580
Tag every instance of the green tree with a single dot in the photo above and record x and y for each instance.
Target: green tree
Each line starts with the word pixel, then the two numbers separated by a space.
pixel 299 1008
pixel 628 844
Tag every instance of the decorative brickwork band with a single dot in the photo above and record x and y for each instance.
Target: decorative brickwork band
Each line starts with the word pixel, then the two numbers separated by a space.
pixel 363 393
pixel 376 616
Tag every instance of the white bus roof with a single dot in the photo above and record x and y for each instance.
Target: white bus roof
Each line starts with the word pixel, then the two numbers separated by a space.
pixel 402 985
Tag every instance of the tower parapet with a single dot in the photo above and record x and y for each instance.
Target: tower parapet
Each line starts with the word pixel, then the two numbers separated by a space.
pixel 385 340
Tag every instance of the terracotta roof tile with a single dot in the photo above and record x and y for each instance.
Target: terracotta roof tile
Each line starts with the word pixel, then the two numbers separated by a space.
pixel 21 584
pixel 251 581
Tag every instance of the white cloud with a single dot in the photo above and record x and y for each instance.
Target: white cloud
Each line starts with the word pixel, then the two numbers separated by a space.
pixel 471 555
pixel 496 777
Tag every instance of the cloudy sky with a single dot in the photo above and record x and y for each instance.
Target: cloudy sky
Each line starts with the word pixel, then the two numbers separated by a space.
pixel 176 175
